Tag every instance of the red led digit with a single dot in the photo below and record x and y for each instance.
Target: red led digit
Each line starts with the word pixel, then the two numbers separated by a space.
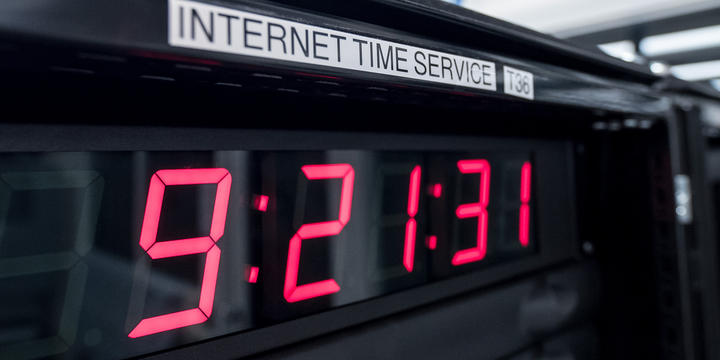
pixel 411 225
pixel 478 209
pixel 524 230
pixel 173 248
pixel 292 292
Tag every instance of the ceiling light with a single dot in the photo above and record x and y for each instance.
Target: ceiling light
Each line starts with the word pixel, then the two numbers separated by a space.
pixel 624 49
pixel 716 84
pixel 697 71
pixel 681 41
pixel 659 68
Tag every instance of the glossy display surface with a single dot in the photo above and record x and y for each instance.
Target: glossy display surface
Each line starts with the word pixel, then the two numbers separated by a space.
pixel 118 254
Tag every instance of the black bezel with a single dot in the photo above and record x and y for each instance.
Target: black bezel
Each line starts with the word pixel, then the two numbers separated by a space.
pixel 555 217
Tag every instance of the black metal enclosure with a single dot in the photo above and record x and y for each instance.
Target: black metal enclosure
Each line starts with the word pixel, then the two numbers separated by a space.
pixel 623 260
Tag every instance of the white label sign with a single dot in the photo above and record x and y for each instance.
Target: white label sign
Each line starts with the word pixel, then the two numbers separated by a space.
pixel 518 83
pixel 215 28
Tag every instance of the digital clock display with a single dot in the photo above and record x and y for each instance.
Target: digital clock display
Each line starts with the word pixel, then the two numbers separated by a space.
pixel 118 254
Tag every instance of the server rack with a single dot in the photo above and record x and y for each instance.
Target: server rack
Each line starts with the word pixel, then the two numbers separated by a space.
pixel 695 113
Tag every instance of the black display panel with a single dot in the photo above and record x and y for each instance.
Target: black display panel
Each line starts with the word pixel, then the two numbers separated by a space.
pixel 118 254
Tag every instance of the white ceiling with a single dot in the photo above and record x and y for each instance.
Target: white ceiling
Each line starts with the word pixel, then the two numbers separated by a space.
pixel 566 18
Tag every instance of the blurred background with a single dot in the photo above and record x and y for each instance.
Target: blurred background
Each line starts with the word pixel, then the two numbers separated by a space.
pixel 681 37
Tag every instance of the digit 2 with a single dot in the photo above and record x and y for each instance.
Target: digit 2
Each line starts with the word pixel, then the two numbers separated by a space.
pixel 292 292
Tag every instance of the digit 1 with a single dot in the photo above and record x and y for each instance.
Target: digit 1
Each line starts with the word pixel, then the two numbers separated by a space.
pixel 411 225
pixel 199 245
pixel 524 231
pixel 479 209
pixel 292 292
